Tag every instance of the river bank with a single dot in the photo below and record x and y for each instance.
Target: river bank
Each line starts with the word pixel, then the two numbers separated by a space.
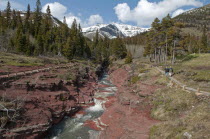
pixel 44 98
pixel 127 115
pixel 86 124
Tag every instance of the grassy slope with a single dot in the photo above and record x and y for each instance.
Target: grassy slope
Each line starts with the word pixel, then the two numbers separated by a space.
pixel 181 112
pixel 194 71
pixel 20 60
pixel 196 19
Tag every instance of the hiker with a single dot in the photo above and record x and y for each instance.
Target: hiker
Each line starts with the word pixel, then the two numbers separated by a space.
pixel 166 71
pixel 171 71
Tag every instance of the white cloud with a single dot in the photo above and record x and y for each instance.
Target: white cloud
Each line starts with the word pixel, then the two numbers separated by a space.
pixel 59 11
pixel 94 19
pixel 70 18
pixel 145 12
pixel 178 12
pixel 14 5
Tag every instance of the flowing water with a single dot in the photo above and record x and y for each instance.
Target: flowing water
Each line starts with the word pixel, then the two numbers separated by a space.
pixel 74 128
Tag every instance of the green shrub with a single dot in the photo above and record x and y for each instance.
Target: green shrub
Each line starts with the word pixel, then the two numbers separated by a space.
pixel 135 79
pixel 128 58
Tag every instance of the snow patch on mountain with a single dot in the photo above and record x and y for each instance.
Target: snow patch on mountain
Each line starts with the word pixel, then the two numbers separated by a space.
pixel 130 31
pixel 113 30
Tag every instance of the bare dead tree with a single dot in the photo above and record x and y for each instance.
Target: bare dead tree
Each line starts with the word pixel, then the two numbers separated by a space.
pixel 12 112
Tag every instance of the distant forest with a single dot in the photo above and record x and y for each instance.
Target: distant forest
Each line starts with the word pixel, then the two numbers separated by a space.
pixel 34 33
pixel 167 38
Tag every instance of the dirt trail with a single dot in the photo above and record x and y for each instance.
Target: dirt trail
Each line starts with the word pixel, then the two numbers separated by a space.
pixel 197 91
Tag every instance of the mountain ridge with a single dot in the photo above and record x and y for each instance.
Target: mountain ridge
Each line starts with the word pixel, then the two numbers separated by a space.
pixel 196 18
pixel 113 30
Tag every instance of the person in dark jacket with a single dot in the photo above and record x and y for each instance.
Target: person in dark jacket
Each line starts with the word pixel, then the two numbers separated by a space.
pixel 171 71
pixel 166 71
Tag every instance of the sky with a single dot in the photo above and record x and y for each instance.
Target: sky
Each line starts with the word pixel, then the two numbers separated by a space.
pixel 90 12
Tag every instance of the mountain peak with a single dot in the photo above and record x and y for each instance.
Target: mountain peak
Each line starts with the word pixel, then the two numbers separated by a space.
pixel 113 30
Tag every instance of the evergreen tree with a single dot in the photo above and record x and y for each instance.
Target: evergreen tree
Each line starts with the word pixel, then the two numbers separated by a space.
pixel 68 51
pixel 87 51
pixel 29 45
pixel 48 23
pixel 81 45
pixel 128 58
pixel 14 20
pixel 39 50
pixel 19 20
pixel 64 20
pixel 37 18
pixel 27 22
pixel 118 48
pixel 74 37
pixel 95 44
pixel 156 24
pixel 1 23
pixel 96 39
pixel 22 43
pixel 203 41
pixel 8 14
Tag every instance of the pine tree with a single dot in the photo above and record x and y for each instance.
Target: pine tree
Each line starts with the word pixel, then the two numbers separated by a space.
pixel 87 51
pixel 8 14
pixel 47 41
pixel 27 22
pixel 64 20
pixel 39 50
pixel 96 39
pixel 119 49
pixel 37 18
pixel 29 46
pixel 74 37
pixel 156 24
pixel 48 23
pixel 28 14
pixel 1 23
pixel 19 20
pixel 203 41
pixel 128 58
pixel 20 40
pixel 81 39
pixel 14 20
pixel 68 51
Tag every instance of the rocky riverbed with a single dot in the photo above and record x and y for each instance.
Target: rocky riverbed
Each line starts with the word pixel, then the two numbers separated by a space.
pixel 86 124
pixel 44 98
pixel 118 112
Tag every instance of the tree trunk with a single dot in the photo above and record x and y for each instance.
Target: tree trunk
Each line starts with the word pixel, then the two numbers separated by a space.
pixel 166 52
pixel 155 56
pixel 173 58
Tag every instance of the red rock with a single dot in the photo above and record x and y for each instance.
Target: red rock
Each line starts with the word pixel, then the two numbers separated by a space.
pixel 45 107
pixel 128 120
pixel 92 125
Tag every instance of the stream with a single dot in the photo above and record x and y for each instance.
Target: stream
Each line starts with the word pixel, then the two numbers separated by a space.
pixel 74 128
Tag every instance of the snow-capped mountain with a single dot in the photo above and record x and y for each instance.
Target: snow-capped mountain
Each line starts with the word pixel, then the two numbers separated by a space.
pixel 113 30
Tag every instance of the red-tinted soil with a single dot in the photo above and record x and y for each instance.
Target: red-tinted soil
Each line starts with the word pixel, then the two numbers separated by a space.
pixel 127 115
pixel 46 103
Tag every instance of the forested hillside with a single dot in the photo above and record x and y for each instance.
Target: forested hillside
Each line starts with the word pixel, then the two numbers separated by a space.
pixel 34 33
pixel 171 37
pixel 196 18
